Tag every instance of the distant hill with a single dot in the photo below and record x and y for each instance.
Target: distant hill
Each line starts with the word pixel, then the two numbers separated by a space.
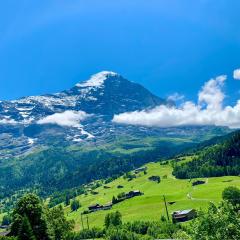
pixel 221 158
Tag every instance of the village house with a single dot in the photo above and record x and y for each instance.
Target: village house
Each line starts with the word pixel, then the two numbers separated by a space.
pixel 95 207
pixel 133 194
pixel 138 170
pixel 184 215
pixel 107 206
pixel 98 207
pixel 198 182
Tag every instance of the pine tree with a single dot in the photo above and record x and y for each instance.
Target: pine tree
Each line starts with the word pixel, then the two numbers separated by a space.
pixel 67 200
pixel 25 230
pixel 114 200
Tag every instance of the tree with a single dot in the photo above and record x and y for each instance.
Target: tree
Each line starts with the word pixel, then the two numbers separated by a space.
pixel 218 223
pixel 67 200
pixel 25 230
pixel 30 207
pixel 232 195
pixel 114 200
pixel 113 219
pixel 60 227
pixel 75 205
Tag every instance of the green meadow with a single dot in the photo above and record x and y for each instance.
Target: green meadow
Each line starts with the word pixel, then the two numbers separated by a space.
pixel 180 194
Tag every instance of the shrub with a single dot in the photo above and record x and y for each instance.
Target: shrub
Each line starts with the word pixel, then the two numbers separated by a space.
pixel 232 195
pixel 219 222
pixel 75 205
pixel 86 234
pixel 113 219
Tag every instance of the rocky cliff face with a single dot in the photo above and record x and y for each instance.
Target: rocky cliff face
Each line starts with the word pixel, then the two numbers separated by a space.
pixel 82 113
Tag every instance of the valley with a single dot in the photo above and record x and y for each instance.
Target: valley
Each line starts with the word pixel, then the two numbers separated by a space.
pixel 150 206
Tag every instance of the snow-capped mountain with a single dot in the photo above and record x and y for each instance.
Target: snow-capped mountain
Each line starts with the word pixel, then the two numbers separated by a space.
pixel 86 111
pixel 81 115
pixel 105 93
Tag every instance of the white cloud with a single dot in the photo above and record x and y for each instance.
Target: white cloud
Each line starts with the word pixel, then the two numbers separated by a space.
pixel 236 74
pixel 211 93
pixel 67 118
pixel 175 97
pixel 7 121
pixel 208 111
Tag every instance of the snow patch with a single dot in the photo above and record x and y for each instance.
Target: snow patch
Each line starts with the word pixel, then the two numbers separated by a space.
pixel 89 135
pixel 97 80
pixel 31 141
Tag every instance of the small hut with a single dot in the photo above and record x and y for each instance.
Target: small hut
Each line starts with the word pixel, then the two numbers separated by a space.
pixel 184 215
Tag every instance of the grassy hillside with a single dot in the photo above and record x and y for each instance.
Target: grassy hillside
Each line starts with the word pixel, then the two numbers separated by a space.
pixel 150 206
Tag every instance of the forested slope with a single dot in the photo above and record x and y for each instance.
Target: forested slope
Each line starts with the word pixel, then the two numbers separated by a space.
pixel 221 159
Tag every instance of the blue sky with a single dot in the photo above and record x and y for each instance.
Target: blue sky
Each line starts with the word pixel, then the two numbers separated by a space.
pixel 166 45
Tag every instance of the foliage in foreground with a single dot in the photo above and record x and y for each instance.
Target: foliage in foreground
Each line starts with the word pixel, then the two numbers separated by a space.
pixel 219 223
pixel 32 221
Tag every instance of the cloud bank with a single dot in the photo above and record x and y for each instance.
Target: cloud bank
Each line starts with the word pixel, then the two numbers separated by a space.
pixel 208 111
pixel 67 118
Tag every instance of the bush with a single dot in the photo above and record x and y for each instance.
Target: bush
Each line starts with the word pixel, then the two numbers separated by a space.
pixel 124 234
pixel 75 205
pixel 86 234
pixel 113 219
pixel 232 195
pixel 219 222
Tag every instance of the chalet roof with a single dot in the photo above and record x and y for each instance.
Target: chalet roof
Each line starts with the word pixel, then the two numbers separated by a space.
pixel 141 168
pixel 108 204
pixel 136 191
pixel 182 212
pixel 95 205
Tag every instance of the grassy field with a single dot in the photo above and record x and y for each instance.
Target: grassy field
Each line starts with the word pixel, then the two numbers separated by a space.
pixel 150 206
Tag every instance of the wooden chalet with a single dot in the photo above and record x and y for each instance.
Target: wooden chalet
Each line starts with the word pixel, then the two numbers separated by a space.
pixel 95 207
pixel 133 194
pixel 107 206
pixel 184 215
pixel 138 170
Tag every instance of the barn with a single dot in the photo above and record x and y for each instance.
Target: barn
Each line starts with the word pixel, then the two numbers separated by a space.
pixel 184 215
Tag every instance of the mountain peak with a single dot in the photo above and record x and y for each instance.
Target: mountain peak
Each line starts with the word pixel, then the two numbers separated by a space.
pixel 97 79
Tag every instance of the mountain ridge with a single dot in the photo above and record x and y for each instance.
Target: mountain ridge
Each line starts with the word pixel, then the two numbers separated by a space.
pixel 89 105
pixel 83 96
